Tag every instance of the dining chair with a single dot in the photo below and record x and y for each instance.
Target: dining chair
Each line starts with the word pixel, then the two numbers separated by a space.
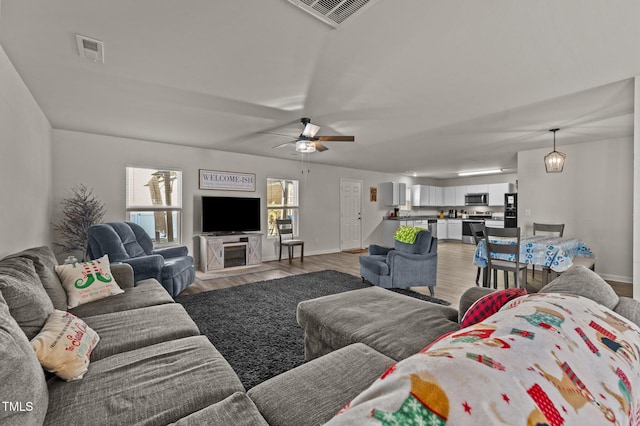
pixel 285 227
pixel 477 231
pixel 555 230
pixel 508 244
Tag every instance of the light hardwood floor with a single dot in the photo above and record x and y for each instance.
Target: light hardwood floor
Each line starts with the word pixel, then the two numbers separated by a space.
pixel 456 272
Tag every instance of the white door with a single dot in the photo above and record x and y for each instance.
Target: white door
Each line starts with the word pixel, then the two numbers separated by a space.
pixel 350 214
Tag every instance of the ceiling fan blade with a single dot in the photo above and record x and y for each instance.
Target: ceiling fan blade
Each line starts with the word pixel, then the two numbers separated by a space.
pixel 335 138
pixel 310 130
pixel 282 145
pixel 320 147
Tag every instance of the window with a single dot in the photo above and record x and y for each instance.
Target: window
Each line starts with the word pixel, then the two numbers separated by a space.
pixel 282 203
pixel 154 201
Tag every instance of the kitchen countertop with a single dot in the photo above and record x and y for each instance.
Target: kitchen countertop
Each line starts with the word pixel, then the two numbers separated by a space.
pixel 417 217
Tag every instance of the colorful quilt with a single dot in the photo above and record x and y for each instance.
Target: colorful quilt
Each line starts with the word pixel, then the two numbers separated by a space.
pixel 543 359
pixel 407 234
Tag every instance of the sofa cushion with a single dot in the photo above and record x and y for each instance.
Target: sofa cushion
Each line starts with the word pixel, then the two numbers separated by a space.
pixel 155 385
pixel 489 304
pixel 583 282
pixel 27 300
pixel 136 328
pixel 87 281
pixel 64 345
pixel 236 410
pixel 22 384
pixel 44 262
pixel 314 392
pixel 393 324
pixel 629 308
pixel 145 293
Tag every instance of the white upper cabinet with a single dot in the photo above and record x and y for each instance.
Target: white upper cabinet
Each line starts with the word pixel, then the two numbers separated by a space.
pixel 449 195
pixel 420 195
pixel 497 191
pixel 477 189
pixel 393 193
pixel 436 196
pixel 424 195
pixel 461 191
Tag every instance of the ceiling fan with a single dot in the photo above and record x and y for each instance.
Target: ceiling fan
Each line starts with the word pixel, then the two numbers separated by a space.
pixel 309 142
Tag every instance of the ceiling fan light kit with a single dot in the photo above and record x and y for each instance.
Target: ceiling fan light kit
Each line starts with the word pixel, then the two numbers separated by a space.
pixel 305 146
pixel 554 161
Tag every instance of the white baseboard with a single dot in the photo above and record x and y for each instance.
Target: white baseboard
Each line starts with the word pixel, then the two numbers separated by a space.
pixel 618 278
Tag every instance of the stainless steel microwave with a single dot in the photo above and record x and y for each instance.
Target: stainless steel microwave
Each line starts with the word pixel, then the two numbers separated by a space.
pixel 476 199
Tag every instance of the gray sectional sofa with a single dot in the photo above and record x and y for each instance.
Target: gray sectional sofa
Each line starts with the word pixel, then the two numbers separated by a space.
pixel 152 367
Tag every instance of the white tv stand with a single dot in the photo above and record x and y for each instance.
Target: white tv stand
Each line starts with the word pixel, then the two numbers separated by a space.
pixel 230 250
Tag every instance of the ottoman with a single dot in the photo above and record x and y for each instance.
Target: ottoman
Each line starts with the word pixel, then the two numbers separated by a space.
pixel 311 394
pixel 395 325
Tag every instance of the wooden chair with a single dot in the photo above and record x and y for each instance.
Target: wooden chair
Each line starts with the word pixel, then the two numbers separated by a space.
pixel 511 246
pixel 477 231
pixel 285 227
pixel 555 230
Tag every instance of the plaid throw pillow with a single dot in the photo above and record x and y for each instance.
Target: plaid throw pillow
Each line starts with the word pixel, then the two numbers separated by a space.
pixel 489 305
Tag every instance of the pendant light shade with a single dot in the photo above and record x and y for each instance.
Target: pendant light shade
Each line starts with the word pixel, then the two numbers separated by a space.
pixel 554 161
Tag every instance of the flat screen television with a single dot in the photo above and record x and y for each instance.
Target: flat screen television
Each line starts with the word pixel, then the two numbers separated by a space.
pixel 222 215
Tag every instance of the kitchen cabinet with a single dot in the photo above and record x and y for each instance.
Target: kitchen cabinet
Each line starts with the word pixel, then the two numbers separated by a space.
pixel 420 195
pixel 436 196
pixel 454 229
pixel 393 193
pixel 424 195
pixel 450 196
pixel 497 191
pixel 461 191
pixel 477 189
pixel 441 232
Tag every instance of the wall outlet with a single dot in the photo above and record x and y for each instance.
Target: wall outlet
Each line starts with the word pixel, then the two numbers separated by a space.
pixel 527 212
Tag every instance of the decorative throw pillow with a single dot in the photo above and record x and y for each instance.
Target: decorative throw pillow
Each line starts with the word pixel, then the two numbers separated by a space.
pixel 489 305
pixel 64 345
pixel 407 234
pixel 88 281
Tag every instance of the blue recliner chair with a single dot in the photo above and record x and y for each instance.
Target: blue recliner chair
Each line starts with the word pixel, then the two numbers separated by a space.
pixel 405 265
pixel 129 243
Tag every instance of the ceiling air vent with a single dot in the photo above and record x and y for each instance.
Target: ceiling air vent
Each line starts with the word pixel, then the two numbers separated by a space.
pixel 90 48
pixel 332 12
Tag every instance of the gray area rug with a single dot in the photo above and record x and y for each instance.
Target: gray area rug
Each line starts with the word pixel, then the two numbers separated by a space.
pixel 254 325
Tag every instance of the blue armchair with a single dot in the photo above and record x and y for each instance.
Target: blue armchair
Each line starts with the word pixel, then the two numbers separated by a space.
pixel 129 243
pixel 405 265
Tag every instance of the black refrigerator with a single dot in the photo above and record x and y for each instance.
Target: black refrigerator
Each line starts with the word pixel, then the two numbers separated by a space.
pixel 511 210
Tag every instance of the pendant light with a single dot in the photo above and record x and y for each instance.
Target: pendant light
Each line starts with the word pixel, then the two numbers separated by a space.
pixel 554 161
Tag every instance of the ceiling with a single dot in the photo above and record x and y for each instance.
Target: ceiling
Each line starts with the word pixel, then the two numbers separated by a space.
pixel 426 87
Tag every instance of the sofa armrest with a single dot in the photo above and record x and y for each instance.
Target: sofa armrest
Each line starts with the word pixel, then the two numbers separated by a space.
pixel 375 249
pixel 123 274
pixel 169 252
pixel 145 267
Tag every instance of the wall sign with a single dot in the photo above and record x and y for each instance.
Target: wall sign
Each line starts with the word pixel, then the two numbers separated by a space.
pixel 228 181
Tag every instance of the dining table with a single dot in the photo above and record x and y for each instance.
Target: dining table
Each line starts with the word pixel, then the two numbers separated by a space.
pixel 549 252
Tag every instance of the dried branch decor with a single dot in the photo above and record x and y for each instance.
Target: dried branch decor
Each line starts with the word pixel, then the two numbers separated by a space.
pixel 80 210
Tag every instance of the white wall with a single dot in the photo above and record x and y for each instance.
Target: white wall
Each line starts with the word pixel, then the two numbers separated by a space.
pixel 99 162
pixel 25 165
pixel 593 197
